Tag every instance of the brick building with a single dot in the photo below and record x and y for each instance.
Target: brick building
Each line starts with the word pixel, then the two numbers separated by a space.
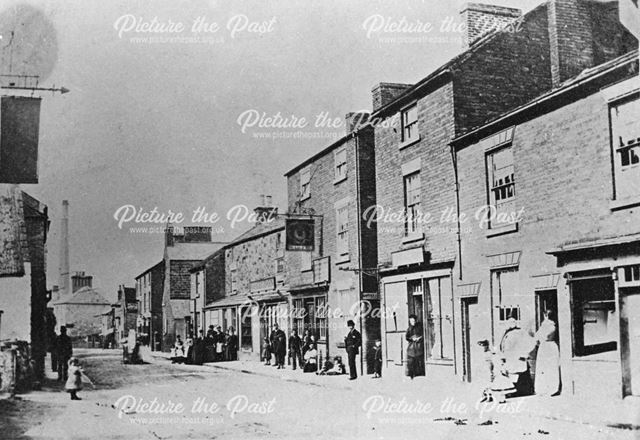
pixel 417 228
pixel 327 285
pixel 207 286
pixel 255 288
pixel 568 164
pixel 184 247
pixel 125 312
pixel 149 290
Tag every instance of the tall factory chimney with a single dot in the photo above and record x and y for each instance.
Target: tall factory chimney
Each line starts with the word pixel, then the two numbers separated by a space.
pixel 64 250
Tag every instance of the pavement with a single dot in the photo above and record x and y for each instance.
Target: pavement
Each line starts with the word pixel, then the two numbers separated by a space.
pixel 450 395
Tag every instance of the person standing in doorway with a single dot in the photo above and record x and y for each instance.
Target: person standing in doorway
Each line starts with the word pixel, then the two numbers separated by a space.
pixel 232 345
pixel 352 343
pixel 415 348
pixel 279 345
pixel 295 349
pixel 65 351
pixel 548 358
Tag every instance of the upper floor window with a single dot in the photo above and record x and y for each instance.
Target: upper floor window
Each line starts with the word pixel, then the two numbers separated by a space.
pixel 234 281
pixel 342 228
pixel 625 134
pixel 340 157
pixel 502 187
pixel 410 124
pixel 305 184
pixel 412 198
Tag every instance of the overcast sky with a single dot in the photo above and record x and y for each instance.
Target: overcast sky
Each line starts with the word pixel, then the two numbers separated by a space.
pixel 155 124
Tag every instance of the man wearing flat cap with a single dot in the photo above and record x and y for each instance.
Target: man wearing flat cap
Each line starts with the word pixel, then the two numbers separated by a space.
pixel 352 343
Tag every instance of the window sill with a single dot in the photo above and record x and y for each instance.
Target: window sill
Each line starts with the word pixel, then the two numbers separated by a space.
pixel 506 229
pixel 408 143
pixel 624 203
pixel 342 259
pixel 306 269
pixel 339 179
pixel 413 237
pixel 302 199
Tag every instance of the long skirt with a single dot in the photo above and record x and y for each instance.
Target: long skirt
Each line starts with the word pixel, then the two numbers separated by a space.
pixel 547 369
pixel 415 366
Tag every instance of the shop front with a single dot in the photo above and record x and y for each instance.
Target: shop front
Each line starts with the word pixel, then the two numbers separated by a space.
pixel 599 310
pixel 428 294
pixel 310 313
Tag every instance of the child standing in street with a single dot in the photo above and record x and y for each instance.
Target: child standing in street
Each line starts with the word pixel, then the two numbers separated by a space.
pixel 74 381
pixel 266 351
pixel 377 360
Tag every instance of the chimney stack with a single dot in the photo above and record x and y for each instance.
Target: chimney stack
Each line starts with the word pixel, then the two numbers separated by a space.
pixel 570 39
pixel 80 280
pixel 384 93
pixel 64 250
pixel 265 211
pixel 354 121
pixel 480 19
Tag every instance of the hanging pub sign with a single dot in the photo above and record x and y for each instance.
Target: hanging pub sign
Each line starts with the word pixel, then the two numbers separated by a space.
pixel 300 234
pixel 19 133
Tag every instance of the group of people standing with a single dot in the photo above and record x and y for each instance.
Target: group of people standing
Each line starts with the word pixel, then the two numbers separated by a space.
pixel 216 346
pixel 303 351
pixel 508 365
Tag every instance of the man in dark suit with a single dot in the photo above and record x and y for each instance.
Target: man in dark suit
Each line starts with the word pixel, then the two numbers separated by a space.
pixel 279 345
pixel 295 349
pixel 352 343
pixel 65 351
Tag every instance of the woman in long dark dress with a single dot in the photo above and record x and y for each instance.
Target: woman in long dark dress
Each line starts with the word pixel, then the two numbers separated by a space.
pixel 415 348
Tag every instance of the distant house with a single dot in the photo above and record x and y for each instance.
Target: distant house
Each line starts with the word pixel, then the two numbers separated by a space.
pixel 184 247
pixel 81 310
pixel 149 290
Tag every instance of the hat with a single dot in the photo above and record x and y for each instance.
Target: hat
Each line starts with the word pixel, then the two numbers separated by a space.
pixel 350 323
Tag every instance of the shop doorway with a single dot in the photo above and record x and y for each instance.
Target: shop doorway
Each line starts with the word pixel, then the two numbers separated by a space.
pixel 630 340
pixel 396 317
pixel 470 338
pixel 547 300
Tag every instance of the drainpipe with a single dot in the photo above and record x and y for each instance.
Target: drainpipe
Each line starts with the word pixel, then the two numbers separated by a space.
pixel 358 229
pixel 457 191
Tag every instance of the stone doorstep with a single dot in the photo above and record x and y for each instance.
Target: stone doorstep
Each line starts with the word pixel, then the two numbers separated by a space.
pixel 619 415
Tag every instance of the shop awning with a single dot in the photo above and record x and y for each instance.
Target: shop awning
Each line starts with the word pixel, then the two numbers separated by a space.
pixel 584 245
pixel 247 298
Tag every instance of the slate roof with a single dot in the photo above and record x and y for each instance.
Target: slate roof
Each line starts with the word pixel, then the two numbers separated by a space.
pixel 85 295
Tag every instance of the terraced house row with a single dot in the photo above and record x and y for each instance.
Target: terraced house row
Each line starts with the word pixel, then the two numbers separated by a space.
pixel 504 184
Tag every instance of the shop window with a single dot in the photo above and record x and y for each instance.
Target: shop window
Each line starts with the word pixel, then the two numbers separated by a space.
pixel 594 316
pixel 311 314
pixel 440 318
pixel 410 124
pixel 245 328
pixel 502 187
pixel 625 141
pixel 412 198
